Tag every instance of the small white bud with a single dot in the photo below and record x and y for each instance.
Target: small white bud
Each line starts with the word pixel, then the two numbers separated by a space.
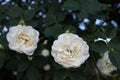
pixel 45 52
pixel 46 67
pixel 30 58
pixel 15 73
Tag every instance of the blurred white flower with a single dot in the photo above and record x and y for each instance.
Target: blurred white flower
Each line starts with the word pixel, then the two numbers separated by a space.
pixel 46 67
pixel 45 52
pixel 30 58
pixel 105 66
pixel 70 50
pixel 45 42
pixel 1 47
pixel 15 73
pixel 98 22
pixel 23 39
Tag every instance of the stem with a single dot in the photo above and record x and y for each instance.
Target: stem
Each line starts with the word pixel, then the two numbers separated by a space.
pixel 98 74
pixel 107 13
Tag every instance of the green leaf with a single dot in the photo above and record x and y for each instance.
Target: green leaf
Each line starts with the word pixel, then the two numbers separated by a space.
pixel 115 43
pixel 54 14
pixel 22 66
pixel 39 61
pixel 2 58
pixel 115 58
pixel 14 21
pixel 4 8
pixel 1 16
pixel 60 16
pixel 54 18
pixel 20 75
pixel 58 66
pixel 76 75
pixel 100 34
pixel 63 74
pixel 111 32
pixel 99 47
pixel 29 14
pixel 3 40
pixel 33 73
pixel 53 8
pixel 11 63
pixel 90 7
pixel 50 19
pixel 33 23
pixel 71 5
pixel 53 31
pixel 1 63
pixel 15 12
pixel 60 75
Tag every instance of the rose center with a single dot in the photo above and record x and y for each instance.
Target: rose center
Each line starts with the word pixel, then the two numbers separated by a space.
pixel 71 53
pixel 23 38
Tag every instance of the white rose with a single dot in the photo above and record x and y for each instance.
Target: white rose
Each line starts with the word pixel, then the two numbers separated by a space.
pixel 23 39
pixel 70 50
pixel 105 66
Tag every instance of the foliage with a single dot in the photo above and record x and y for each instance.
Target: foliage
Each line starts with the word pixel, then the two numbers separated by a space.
pixel 51 18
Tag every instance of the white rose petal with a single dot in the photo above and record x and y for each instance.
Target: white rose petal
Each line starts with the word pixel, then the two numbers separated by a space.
pixel 70 50
pixel 23 39
pixel 105 66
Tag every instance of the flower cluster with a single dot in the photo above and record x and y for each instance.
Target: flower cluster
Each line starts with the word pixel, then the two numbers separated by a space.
pixel 105 66
pixel 70 50
pixel 23 39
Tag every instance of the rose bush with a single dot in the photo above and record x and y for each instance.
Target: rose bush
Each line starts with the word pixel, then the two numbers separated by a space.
pixel 59 40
